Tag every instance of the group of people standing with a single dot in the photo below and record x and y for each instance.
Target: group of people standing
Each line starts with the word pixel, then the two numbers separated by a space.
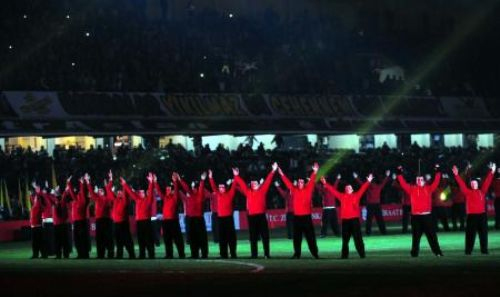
pixel 52 210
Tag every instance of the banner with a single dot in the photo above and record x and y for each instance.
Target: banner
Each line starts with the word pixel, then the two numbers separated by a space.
pixel 35 104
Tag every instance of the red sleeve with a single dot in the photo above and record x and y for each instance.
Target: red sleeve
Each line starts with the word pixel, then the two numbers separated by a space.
pixel 81 193
pixel 201 188
pixel 232 189
pixel 184 186
pixel 435 183
pixel 93 196
pixel 336 183
pixel 70 192
pixel 384 182
pixel 284 194
pixel 158 190
pixel 359 181
pixel 312 181
pixel 403 184
pixel 461 184
pixel 362 190
pixel 129 191
pixel 267 182
pixel 333 190
pixel 287 182
pixel 241 184
pixel 487 182
pixel 212 185
pixel 149 193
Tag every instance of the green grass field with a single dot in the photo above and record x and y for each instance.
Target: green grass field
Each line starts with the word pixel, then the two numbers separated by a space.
pixel 387 268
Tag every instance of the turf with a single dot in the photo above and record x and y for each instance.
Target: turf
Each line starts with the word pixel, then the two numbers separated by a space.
pixel 387 270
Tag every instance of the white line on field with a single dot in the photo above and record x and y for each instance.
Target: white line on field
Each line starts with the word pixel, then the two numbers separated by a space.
pixel 257 267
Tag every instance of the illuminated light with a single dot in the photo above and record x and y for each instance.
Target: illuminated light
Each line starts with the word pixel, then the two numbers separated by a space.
pixel 202 75
pixel 442 196
pixel 87 34
pixel 162 158
pixel 67 17
pixel 11 47
pixel 231 15
pixel 114 158
pixel 73 64
pixel 25 16
pixel 204 57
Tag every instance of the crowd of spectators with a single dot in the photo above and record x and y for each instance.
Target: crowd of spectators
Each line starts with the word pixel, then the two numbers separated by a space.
pixel 115 46
pixel 134 164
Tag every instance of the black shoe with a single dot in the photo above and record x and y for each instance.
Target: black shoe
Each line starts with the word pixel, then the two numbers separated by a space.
pixel 34 257
pixel 295 257
pixel 344 257
pixel 253 257
pixel 316 256
pixel 267 257
pixel 439 254
pixel 168 257
pixel 362 256
pixel 485 252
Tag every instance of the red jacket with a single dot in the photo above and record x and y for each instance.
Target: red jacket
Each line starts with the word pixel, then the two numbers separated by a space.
pixel 405 198
pixel 496 188
pixel 475 200
pixel 170 201
pixel 327 196
pixel 287 196
pixel 79 204
pixel 256 200
pixel 60 207
pixel 193 199
pixel 47 206
pixel 349 208
pixel 119 210
pixel 420 197
pixel 302 198
pixel 142 205
pixel 36 211
pixel 102 202
pixel 374 190
pixel 224 200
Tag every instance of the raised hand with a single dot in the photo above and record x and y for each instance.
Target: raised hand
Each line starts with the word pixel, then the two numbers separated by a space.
pixel 122 180
pixel 276 184
pixel 210 174
pixel 493 167
pixel 110 175
pixel 86 177
pixel 394 176
pixel 399 170
pixel 355 174
pixel 339 176
pixel 203 176
pixel 155 179
pixel 369 178
pixel 315 167
pixel 229 182
pixel 69 179
pixel 454 169
pixel 236 171
pixel 280 171
pixel 174 177
pixel 323 180
pixel 387 173
pixel 437 168
pixel 150 177
pixel 274 166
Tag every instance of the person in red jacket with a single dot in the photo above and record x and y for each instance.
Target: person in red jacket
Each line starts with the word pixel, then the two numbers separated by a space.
pixel 170 224
pixel 302 206
pixel 458 203
pixel 287 196
pixel 213 216
pixel 496 192
pixel 256 206
pixel 62 236
pixel 349 213
pixel 36 224
pixel 79 204
pixel 475 205
pixel 47 223
pixel 329 215
pixel 193 206
pixel 441 204
pixel 421 218
pixel 405 204
pixel 143 201
pixel 103 222
pixel 227 232
pixel 120 217
pixel 373 203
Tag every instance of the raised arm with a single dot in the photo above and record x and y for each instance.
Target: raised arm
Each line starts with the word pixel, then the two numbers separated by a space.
pixel 365 186
pixel 435 183
pixel 283 193
pixel 93 195
pixel 285 180
pixel 489 178
pixel 460 182
pixel 312 179
pixel 402 182
pixel 267 182
pixel 211 181
pixel 128 190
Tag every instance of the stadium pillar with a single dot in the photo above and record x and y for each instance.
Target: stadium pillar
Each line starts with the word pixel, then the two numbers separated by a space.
pixel 151 141
pixel 51 144
pixel 403 141
pixel 2 144
pixel 470 140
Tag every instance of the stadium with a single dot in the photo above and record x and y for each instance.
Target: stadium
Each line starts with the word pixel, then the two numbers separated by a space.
pixel 249 148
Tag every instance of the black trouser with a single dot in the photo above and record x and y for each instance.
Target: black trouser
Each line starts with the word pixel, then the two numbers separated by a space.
pixel 406 217
pixel 145 238
pixel 215 227
pixel 124 239
pixel 289 225
pixel 476 223
pixel 156 225
pixel 329 218
pixel 227 237
pixel 302 225
pixel 62 240
pixel 104 237
pixel 440 214
pixel 172 234
pixel 197 234
pixel 458 213
pixel 81 237
pixel 258 228
pixel 497 213
pixel 423 224
pixel 37 242
pixel 352 227
pixel 374 210
pixel 48 239
pixel 186 227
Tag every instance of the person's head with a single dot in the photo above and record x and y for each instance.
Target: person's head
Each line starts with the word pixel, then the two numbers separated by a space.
pixel 100 192
pixel 222 188
pixel 474 184
pixel 348 189
pixel 168 190
pixel 300 183
pixel 120 194
pixel 420 181
pixel 254 185
pixel 142 194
